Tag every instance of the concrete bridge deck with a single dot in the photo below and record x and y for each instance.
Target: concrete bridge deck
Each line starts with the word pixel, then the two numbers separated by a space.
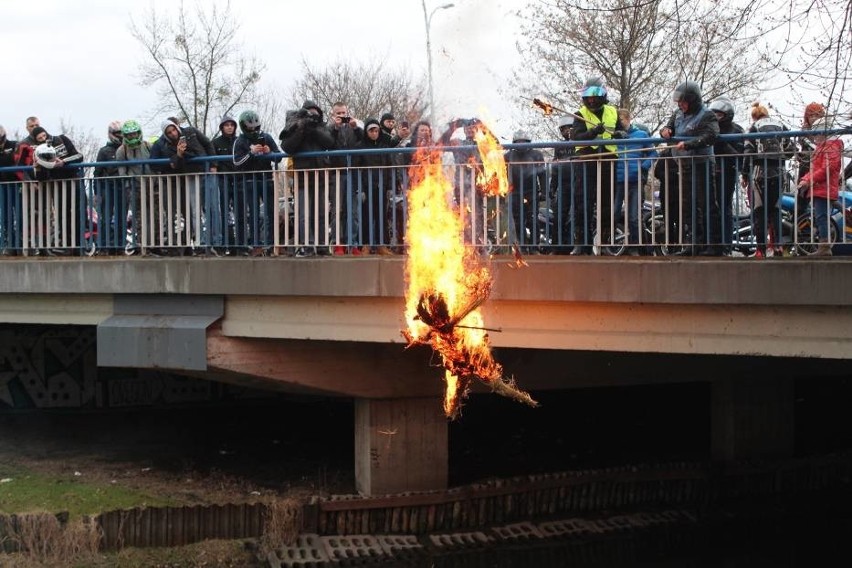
pixel 332 326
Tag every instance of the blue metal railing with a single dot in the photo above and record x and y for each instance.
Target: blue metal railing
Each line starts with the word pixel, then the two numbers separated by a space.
pixel 556 206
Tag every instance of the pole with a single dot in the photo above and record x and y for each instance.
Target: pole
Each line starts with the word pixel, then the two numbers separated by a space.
pixel 427 20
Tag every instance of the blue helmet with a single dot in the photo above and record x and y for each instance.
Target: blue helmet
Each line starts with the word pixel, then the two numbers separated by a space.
pixel 594 87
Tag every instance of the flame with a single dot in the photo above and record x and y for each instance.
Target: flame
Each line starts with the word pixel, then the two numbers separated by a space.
pixel 446 280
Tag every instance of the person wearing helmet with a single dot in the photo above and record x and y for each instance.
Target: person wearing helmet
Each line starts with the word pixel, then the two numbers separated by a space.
pixel 597 120
pixel 728 155
pixel 7 156
pixel 108 191
pixel 527 186
pixel 563 185
pixel 55 159
pixel 696 128
pixel 765 164
pixel 306 131
pixel 181 145
pixel 254 158
pixel 133 147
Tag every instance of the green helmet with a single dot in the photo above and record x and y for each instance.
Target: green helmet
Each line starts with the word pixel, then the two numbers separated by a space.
pixel 250 124
pixel 132 133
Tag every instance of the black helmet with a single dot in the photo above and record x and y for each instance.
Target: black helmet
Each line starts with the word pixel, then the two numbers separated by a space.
pixel 725 107
pixel 250 124
pixel 689 92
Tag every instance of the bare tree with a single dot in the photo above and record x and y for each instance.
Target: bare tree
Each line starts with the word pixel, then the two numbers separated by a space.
pixel 641 48
pixel 370 89
pixel 196 63
pixel 813 50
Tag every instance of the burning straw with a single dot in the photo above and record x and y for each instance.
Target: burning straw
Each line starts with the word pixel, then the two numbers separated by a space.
pixel 447 282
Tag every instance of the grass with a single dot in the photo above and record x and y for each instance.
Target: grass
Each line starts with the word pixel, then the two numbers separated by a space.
pixel 29 491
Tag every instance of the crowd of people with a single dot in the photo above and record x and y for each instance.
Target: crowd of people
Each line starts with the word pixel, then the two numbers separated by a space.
pixel 596 185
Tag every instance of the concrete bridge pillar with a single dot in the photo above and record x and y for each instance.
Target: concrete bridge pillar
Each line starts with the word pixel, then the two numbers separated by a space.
pixel 400 445
pixel 753 418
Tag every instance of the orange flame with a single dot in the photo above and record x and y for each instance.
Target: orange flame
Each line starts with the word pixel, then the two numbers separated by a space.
pixel 446 282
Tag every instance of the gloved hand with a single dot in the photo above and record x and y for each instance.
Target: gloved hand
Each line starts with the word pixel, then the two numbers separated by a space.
pixel 598 130
pixel 619 134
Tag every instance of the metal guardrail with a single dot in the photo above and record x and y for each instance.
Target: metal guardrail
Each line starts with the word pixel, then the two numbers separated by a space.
pixel 556 207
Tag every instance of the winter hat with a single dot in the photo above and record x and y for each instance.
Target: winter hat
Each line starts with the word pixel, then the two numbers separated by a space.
pixel 371 122
pixel 813 111
pixel 387 116
pixel 759 111
pixel 225 119
pixel 309 104
pixel 165 124
pixel 36 131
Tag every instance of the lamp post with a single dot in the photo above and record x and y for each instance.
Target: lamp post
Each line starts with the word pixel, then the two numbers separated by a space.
pixel 427 19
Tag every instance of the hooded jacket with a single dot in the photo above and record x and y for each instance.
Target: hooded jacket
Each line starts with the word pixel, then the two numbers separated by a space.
pixel 197 145
pixel 224 145
pixel 302 133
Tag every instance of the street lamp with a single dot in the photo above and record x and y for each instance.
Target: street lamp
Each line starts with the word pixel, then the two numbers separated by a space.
pixel 427 19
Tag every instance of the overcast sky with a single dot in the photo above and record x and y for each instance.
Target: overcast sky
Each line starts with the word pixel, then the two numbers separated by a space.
pixel 78 62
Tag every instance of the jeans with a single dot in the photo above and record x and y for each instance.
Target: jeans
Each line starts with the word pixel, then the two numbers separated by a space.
pixel 632 208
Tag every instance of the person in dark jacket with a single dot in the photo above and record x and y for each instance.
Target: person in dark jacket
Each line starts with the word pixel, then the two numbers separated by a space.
pixel 60 165
pixel 226 181
pixel 564 188
pixel 728 164
pixel 306 131
pixel 387 124
pixel 109 193
pixel 375 175
pixel 179 146
pixel 699 129
pixel 252 158
pixel 10 191
pixel 526 188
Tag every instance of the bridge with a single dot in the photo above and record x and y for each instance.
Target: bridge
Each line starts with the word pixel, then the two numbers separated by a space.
pixel 332 326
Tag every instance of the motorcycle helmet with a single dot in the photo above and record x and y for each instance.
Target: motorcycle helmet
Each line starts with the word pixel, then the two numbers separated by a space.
pixel 688 92
pixel 521 136
pixel 114 132
pixel 132 133
pixel 250 124
pixel 45 156
pixel 594 93
pixel 723 106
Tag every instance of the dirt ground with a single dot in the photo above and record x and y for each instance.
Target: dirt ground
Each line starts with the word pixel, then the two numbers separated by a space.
pixel 191 455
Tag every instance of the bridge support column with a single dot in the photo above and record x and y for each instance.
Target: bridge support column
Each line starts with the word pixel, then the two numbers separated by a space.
pixel 400 445
pixel 753 418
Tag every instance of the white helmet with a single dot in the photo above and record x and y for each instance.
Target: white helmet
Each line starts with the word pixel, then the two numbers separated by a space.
pixel 45 156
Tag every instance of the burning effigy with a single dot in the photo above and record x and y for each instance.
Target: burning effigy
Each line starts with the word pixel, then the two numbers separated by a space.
pixel 447 281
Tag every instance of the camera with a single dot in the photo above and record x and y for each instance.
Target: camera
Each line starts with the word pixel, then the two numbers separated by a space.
pixel 345 119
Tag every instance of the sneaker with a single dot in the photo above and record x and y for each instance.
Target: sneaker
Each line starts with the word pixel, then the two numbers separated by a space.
pixel 759 254
pixel 384 251
pixel 339 251
pixel 303 252
pixel 364 250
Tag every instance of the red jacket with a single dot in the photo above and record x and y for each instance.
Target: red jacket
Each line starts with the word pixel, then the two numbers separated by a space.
pixel 823 180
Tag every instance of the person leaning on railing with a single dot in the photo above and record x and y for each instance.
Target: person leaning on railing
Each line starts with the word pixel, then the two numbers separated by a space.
pixel 226 182
pixel 696 165
pixel 9 197
pixel 597 120
pixel 375 179
pixel 253 159
pixel 822 183
pixel 179 146
pixel 306 131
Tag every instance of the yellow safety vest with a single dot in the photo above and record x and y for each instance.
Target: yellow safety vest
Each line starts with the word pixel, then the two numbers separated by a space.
pixel 610 120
